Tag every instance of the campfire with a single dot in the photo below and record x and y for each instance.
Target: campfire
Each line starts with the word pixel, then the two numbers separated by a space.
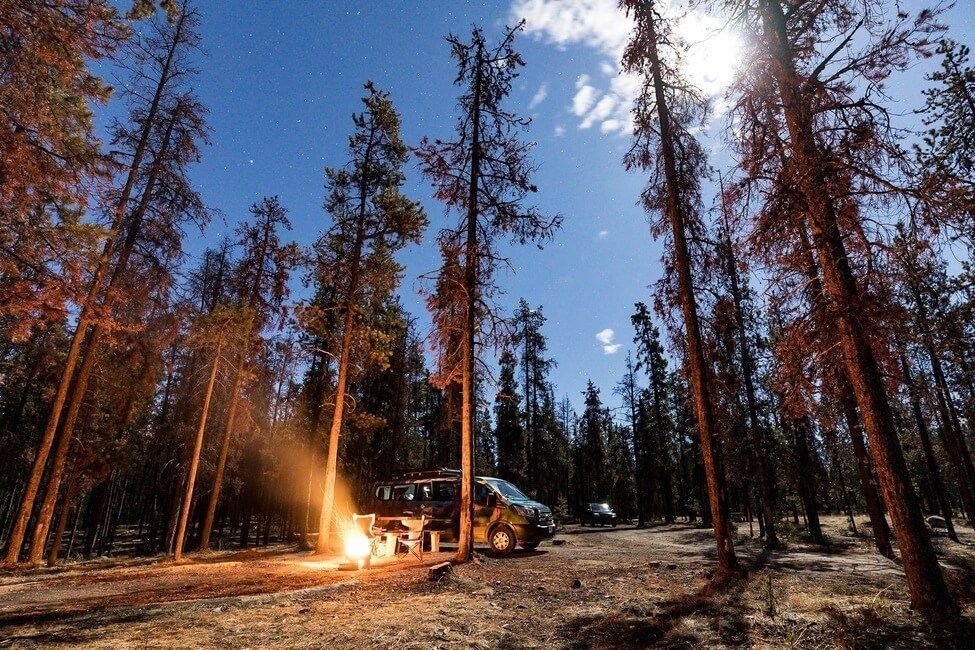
pixel 357 549
pixel 358 542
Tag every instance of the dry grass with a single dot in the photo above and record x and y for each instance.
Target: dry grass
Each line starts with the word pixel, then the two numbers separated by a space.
pixel 637 588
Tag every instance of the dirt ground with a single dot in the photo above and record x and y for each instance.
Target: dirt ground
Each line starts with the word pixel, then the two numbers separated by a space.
pixel 601 588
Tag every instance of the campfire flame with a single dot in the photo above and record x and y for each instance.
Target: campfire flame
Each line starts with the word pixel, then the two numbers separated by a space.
pixel 357 548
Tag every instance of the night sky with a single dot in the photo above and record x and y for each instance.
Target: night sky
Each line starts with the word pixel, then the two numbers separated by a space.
pixel 282 80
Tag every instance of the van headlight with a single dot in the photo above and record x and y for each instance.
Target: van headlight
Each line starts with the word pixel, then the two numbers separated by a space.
pixel 527 511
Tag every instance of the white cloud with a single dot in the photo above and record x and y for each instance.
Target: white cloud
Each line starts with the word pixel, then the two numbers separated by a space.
pixel 596 23
pixel 606 338
pixel 559 131
pixel 539 96
pixel 585 96
pixel 603 234
pixel 602 26
pixel 602 110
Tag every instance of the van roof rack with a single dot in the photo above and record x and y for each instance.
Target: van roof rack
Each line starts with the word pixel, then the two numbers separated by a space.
pixel 430 472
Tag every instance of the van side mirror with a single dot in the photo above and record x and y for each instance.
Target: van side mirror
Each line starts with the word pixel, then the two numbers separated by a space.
pixel 491 500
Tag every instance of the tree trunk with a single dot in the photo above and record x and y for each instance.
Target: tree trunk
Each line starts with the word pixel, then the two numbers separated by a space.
pixel 465 537
pixel 97 503
pixel 85 319
pixel 46 513
pixel 922 433
pixel 929 594
pixel 642 494
pixel 807 487
pixel 697 365
pixel 228 431
pixel 835 457
pixel 766 489
pixel 951 435
pixel 195 460
pixel 67 503
pixel 875 507
pixel 345 357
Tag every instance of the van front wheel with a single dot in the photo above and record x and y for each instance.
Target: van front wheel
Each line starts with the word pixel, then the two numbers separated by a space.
pixel 502 540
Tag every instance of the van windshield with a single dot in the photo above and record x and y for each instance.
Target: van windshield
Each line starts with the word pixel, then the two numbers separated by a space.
pixel 507 490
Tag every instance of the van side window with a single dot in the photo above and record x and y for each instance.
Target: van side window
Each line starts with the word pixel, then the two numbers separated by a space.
pixel 404 492
pixel 443 491
pixel 382 492
pixel 424 493
pixel 481 493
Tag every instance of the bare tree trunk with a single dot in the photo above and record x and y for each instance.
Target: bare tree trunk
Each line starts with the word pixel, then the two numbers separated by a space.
pixel 834 446
pixel 195 460
pixel 46 513
pixel 228 431
pixel 932 463
pixel 807 487
pixel 465 539
pixel 875 507
pixel 697 365
pixel 67 503
pixel 951 435
pixel 345 357
pixel 766 490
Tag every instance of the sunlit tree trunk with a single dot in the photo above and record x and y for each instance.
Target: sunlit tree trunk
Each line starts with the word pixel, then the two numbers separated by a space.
pixel 184 514
pixel 696 363
pixel 341 386
pixel 875 507
pixel 465 542
pixel 929 594
pixel 80 386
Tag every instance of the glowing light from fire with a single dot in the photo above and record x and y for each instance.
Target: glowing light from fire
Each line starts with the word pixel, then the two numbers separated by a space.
pixel 357 548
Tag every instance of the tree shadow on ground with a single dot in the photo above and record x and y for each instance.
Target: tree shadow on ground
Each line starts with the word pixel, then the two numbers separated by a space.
pixel 719 601
pixel 865 629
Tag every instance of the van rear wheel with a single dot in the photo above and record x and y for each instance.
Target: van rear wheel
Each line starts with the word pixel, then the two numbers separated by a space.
pixel 502 540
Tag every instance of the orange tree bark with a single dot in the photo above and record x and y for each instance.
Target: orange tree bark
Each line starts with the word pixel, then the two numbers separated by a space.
pixel 696 363
pixel 341 386
pixel 87 316
pixel 875 507
pixel 465 541
pixel 184 514
pixel 929 594
pixel 80 386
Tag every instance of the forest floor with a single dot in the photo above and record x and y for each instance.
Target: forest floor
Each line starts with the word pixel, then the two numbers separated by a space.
pixel 601 588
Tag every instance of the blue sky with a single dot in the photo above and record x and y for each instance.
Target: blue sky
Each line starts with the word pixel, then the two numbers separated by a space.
pixel 281 81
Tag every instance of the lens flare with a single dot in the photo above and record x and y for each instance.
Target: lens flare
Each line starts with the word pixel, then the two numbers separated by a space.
pixel 357 548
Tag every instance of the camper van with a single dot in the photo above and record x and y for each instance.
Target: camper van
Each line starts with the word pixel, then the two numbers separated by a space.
pixel 504 517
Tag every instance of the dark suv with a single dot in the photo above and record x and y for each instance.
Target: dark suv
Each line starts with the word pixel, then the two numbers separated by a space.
pixel 598 513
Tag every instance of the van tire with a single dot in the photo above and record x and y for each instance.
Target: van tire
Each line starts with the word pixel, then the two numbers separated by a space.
pixel 530 547
pixel 502 540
